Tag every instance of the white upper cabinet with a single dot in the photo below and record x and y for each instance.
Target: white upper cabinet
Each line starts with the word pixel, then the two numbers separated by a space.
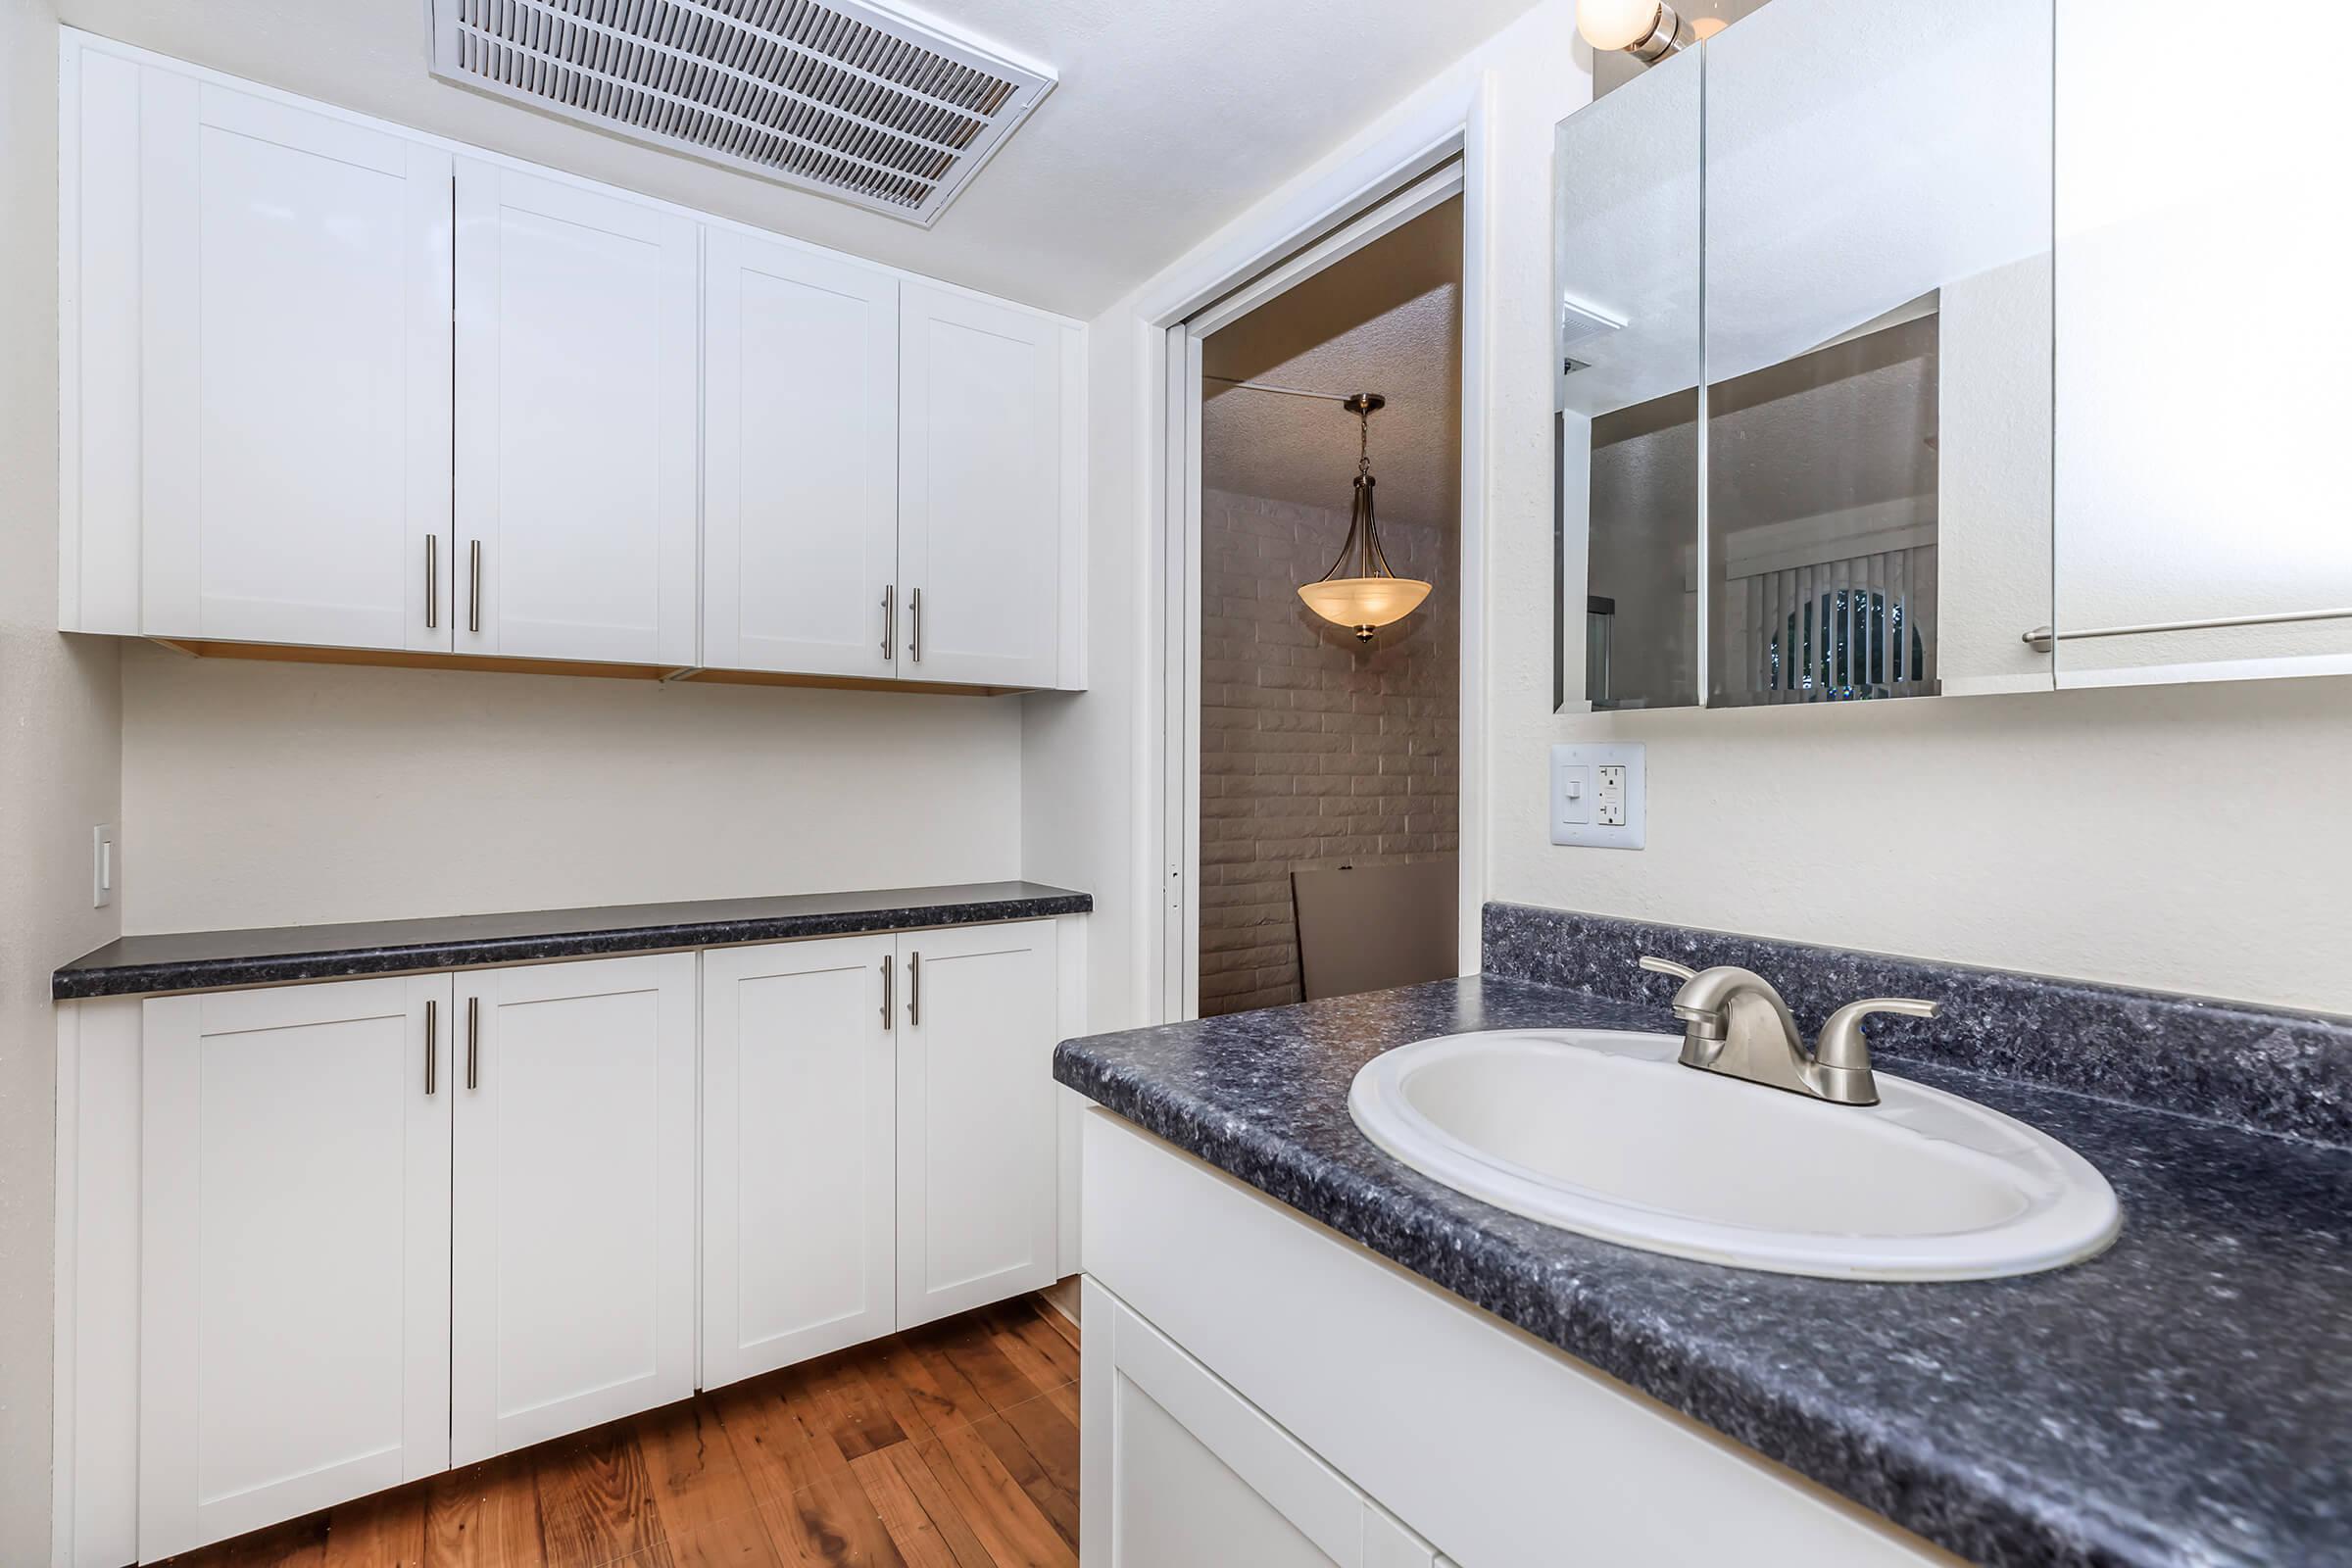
pixel 571 1230
pixel 258 445
pixel 293 1252
pixel 801 439
pixel 575 422
pixel 329 382
pixel 985 474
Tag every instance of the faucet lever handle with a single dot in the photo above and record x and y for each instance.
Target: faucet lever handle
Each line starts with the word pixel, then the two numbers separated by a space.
pixel 1843 1043
pixel 1668 967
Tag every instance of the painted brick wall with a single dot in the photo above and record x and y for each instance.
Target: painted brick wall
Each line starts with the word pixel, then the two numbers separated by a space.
pixel 1316 749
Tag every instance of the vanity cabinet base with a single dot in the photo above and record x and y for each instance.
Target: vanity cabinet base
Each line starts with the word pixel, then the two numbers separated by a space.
pixel 1338 1367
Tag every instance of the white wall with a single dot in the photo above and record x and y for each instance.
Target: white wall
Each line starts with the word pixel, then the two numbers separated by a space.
pixel 2183 838
pixel 58 719
pixel 265 794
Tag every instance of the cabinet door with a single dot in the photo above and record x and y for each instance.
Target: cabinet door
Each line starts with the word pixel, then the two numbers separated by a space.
pixel 293 1252
pixel 798 1128
pixel 572 1202
pixel 1193 1473
pixel 977 1117
pixel 981 490
pixel 575 407
pixel 801 451
pixel 295 374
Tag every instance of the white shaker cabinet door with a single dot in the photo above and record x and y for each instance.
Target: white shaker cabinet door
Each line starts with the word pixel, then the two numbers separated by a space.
pixel 800 522
pixel 293 393
pixel 573 1197
pixel 798 1134
pixel 982 484
pixel 293 1252
pixel 576 472
pixel 1189 1472
pixel 978 1117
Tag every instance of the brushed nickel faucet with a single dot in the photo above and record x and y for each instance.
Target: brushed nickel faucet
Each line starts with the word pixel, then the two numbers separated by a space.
pixel 1733 1022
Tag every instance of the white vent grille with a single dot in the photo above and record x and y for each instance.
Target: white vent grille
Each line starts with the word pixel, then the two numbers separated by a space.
pixel 844 98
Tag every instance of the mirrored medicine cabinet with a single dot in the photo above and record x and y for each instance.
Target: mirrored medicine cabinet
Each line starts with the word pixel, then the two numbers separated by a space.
pixel 1906 348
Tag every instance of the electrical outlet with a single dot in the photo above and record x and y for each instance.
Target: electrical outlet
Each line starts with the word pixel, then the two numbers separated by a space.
pixel 105 866
pixel 1598 796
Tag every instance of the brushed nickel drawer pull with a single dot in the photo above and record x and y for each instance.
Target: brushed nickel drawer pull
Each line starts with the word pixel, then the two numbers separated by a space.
pixel 433 1046
pixel 889 620
pixel 886 989
pixel 915 988
pixel 914 623
pixel 473 1042
pixel 433 587
pixel 473 600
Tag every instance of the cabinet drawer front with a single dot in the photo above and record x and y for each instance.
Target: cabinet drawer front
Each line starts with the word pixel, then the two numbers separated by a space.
pixel 294 1246
pixel 572 1203
pixel 295 397
pixel 798 1135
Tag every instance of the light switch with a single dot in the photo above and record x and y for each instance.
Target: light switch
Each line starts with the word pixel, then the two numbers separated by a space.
pixel 104 866
pixel 1597 796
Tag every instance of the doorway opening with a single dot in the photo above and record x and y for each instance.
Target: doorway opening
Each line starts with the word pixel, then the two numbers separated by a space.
pixel 1326 762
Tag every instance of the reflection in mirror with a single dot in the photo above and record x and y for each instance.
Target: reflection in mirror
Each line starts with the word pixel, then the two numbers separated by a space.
pixel 1628 375
pixel 1878 349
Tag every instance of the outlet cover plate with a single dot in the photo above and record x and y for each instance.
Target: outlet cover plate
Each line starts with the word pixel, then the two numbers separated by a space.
pixel 1575 819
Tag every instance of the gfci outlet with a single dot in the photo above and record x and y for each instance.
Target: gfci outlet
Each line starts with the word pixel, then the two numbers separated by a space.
pixel 1598 796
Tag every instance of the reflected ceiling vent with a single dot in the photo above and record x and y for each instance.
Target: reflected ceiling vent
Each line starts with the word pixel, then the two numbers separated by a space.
pixel 845 98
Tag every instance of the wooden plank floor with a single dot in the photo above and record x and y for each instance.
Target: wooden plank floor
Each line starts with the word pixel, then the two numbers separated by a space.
pixel 952 1446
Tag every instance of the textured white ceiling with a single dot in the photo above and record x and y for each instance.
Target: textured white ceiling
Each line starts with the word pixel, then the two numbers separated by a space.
pixel 1387 319
pixel 1171 117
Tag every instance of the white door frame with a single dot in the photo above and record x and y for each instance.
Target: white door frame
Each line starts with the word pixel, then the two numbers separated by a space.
pixel 1435 149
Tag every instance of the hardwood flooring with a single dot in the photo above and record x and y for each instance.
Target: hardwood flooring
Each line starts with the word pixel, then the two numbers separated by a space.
pixel 952 1446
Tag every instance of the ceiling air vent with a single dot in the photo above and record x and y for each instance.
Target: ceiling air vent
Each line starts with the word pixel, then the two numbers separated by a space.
pixel 845 98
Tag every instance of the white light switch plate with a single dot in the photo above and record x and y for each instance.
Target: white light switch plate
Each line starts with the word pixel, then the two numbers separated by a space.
pixel 106 866
pixel 1599 796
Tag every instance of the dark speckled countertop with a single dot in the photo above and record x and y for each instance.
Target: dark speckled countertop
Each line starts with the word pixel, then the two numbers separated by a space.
pixel 199 960
pixel 2184 1398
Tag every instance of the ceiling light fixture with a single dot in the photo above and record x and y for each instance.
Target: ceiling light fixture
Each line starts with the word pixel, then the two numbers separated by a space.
pixel 1371 594
pixel 1647 30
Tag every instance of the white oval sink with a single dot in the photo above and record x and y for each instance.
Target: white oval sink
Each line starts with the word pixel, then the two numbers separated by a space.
pixel 1603 1132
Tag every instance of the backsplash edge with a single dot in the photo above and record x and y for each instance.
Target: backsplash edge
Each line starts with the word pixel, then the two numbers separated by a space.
pixel 2268 1071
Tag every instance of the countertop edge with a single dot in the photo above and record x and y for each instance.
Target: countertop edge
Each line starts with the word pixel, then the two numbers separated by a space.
pixel 82 984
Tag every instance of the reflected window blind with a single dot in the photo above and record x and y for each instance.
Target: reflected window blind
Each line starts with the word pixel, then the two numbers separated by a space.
pixel 1841 630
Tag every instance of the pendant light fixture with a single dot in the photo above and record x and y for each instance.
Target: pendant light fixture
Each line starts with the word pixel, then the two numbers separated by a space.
pixel 1360 590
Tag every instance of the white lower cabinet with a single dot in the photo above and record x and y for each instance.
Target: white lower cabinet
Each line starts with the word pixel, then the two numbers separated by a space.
pixel 293 1252
pixel 880 1137
pixel 978 1117
pixel 1180 1470
pixel 377 1228
pixel 571 1231
pixel 799 1140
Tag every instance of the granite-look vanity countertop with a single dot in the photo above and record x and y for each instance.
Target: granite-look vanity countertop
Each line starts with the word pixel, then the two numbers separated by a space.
pixel 2184 1398
pixel 203 960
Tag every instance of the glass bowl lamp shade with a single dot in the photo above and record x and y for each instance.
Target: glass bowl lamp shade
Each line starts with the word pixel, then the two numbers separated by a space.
pixel 1360 590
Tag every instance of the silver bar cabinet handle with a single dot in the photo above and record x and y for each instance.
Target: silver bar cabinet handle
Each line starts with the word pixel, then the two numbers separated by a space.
pixel 433 587
pixel 914 625
pixel 433 1046
pixel 473 1042
pixel 474 599
pixel 890 629
pixel 886 989
pixel 914 988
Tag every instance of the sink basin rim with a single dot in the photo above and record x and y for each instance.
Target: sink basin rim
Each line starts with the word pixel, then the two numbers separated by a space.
pixel 2066 1210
